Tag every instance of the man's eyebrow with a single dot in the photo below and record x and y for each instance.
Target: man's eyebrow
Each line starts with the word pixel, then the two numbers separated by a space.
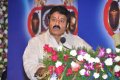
pixel 53 17
pixel 56 18
pixel 62 18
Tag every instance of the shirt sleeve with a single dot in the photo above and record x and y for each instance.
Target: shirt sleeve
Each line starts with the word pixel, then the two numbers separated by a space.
pixel 31 61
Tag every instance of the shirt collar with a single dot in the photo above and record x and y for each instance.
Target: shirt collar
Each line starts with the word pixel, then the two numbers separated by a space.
pixel 53 41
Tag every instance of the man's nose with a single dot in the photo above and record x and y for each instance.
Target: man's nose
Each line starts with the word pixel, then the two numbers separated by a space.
pixel 57 22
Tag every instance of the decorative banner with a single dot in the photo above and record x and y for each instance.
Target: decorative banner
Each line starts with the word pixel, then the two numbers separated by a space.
pixel 112 20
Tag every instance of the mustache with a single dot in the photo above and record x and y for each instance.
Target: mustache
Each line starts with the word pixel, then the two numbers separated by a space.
pixel 56 26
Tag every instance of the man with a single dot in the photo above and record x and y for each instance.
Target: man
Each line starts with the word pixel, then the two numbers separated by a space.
pixel 58 21
pixel 35 23
pixel 73 22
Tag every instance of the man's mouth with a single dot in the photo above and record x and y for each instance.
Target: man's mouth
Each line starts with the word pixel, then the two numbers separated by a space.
pixel 56 27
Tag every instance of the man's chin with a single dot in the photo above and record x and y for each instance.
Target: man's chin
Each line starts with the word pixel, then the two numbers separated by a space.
pixel 56 34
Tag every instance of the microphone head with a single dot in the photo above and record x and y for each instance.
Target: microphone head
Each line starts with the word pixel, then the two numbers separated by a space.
pixel 63 40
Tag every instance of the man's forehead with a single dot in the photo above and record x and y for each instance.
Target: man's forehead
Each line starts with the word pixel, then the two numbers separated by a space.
pixel 58 15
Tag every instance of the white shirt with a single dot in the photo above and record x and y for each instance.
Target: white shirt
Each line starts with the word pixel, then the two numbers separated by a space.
pixel 33 55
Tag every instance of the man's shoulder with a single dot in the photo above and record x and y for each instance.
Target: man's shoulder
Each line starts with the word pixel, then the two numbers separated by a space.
pixel 73 36
pixel 33 39
pixel 38 37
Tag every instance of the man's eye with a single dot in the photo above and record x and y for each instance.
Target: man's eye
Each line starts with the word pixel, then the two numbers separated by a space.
pixel 62 21
pixel 53 19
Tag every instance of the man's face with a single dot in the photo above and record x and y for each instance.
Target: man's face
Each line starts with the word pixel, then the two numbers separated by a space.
pixel 59 20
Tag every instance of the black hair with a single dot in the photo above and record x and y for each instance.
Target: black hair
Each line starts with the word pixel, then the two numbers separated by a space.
pixel 72 13
pixel 61 10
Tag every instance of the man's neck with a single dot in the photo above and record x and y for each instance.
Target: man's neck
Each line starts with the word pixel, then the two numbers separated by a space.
pixel 57 38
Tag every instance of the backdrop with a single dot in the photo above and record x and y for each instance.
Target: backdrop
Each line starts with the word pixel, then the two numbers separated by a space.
pixel 91 27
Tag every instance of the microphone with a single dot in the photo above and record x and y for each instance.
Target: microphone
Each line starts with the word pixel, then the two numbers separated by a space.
pixel 63 40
